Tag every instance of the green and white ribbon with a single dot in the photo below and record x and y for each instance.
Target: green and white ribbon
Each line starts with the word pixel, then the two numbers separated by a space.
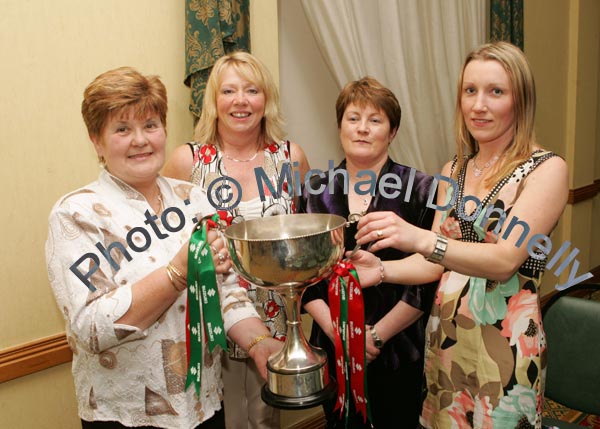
pixel 203 314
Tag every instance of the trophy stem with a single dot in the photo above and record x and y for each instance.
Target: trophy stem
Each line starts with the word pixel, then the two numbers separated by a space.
pixel 297 353
pixel 298 376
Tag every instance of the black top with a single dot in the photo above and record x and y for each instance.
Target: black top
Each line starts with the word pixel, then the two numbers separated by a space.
pixel 408 345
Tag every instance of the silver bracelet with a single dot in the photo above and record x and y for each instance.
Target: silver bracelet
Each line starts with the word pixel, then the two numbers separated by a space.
pixel 439 251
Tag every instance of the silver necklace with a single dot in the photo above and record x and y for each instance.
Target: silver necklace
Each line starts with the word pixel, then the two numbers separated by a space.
pixel 231 158
pixel 365 203
pixel 479 171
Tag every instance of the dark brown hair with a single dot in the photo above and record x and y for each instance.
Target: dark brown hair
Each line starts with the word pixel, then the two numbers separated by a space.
pixel 368 91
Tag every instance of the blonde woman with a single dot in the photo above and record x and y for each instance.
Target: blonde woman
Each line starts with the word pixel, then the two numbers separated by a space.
pixel 241 129
pixel 485 354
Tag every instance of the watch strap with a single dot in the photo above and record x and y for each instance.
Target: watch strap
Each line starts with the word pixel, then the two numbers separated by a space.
pixel 376 340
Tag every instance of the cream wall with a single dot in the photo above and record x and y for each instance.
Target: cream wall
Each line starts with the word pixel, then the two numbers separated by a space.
pixel 264 33
pixel 50 52
pixel 562 44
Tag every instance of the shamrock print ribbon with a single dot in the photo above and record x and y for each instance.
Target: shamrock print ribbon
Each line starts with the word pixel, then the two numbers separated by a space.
pixel 203 313
pixel 348 316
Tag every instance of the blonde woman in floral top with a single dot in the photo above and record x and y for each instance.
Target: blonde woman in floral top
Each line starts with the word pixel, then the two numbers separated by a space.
pixel 241 129
pixel 117 254
pixel 485 356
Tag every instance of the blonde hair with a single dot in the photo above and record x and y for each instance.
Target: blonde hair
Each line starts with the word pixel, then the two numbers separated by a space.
pixel 115 91
pixel 519 73
pixel 253 70
pixel 368 90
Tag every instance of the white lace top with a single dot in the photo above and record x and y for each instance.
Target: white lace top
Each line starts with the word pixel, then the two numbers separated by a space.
pixel 121 372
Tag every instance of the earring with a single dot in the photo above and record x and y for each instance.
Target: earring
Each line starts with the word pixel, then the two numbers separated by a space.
pixel 101 160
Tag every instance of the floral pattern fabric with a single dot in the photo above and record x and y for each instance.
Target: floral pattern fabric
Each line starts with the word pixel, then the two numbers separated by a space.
pixel 208 168
pixel 213 28
pixel 506 21
pixel 485 357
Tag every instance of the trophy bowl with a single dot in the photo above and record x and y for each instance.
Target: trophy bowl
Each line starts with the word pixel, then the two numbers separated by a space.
pixel 287 254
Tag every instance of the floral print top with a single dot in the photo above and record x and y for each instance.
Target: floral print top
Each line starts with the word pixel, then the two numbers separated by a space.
pixel 485 356
pixel 122 373
pixel 208 171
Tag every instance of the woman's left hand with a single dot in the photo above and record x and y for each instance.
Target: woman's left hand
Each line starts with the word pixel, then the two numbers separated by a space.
pixel 371 351
pixel 261 352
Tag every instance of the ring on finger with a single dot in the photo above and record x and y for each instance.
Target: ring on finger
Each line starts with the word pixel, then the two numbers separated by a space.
pixel 221 257
pixel 379 233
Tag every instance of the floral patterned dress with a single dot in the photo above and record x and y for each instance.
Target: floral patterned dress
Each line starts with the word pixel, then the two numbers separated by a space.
pixel 209 169
pixel 485 353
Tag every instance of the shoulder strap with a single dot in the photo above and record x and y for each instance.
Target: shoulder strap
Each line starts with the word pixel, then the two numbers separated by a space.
pixel 454 161
pixel 192 146
pixel 535 160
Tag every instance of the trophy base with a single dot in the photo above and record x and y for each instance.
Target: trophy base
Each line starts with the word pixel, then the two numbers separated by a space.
pixel 299 403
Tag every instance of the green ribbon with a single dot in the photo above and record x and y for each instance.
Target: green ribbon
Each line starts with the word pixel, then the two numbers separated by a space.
pixel 202 300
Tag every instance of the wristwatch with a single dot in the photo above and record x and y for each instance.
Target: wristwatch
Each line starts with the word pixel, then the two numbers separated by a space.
pixel 439 251
pixel 376 339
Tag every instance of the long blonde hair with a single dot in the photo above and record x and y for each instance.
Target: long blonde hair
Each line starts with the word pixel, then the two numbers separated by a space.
pixel 253 70
pixel 519 73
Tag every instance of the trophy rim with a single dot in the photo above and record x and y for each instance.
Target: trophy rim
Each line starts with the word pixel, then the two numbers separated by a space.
pixel 337 222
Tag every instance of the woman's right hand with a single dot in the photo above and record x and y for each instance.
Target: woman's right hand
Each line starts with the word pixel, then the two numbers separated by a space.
pixel 221 257
pixel 219 252
pixel 388 230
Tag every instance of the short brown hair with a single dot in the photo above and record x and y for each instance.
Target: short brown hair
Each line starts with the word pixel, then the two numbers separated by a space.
pixel 365 91
pixel 115 91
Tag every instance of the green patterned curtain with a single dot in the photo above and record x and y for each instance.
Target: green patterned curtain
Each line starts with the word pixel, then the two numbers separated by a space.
pixel 506 21
pixel 213 28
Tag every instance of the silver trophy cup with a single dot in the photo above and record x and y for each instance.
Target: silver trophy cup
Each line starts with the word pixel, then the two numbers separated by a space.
pixel 287 254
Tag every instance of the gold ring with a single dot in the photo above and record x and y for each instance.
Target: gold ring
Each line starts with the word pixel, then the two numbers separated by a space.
pixel 379 233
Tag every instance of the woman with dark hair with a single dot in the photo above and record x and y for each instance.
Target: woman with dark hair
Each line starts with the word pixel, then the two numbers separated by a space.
pixel 368 117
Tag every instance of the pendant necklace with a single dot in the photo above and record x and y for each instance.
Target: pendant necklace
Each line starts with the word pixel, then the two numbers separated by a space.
pixel 479 171
pixel 365 205
pixel 354 217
